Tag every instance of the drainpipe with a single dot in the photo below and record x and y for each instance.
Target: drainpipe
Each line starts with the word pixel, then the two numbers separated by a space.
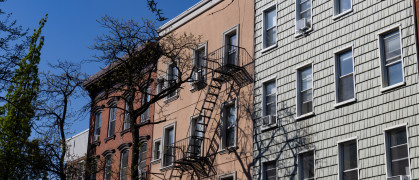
pixel 416 34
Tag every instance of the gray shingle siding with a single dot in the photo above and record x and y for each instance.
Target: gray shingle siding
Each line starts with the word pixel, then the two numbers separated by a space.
pixel 366 118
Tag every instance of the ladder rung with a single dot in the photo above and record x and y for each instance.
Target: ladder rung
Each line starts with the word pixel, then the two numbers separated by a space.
pixel 217 87
pixel 212 102
pixel 213 94
pixel 218 79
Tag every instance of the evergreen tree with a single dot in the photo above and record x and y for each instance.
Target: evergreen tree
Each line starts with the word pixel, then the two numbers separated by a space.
pixel 18 113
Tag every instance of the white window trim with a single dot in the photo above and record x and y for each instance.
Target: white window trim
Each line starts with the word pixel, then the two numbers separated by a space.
pixel 227 175
pixel 166 84
pixel 299 164
pixel 236 29
pixel 336 56
pixel 263 169
pixel 269 80
pixel 335 6
pixel 191 124
pixel 100 122
pixel 265 49
pixel 120 159
pixel 154 150
pixel 114 105
pixel 386 147
pixel 302 116
pixel 380 54
pixel 222 147
pixel 355 138
pixel 205 46
pixel 298 34
pixel 163 139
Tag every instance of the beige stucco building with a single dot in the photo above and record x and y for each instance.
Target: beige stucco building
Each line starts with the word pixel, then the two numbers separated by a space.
pixel 207 132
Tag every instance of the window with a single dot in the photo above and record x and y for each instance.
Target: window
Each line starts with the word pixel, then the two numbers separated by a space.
pixel 397 152
pixel 269 98
pixel 93 169
pixel 197 135
pixel 229 126
pixel 306 165
pixel 305 91
pixel 157 149
pixel 124 164
pixel 345 87
pixel 269 171
pixel 98 119
pixel 229 176
pixel 269 27
pixel 80 170
pixel 172 78
pixel 169 140
pixel 112 119
pixel 199 64
pixel 342 6
pixel 303 16
pixel 126 117
pixel 160 85
pixel 108 168
pixel 348 160
pixel 145 99
pixel 143 160
pixel 391 59
pixel 231 46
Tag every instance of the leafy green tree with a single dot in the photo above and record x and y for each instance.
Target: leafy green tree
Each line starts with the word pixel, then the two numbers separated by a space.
pixel 18 113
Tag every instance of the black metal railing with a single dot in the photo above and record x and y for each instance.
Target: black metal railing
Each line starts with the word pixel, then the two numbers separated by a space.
pixel 229 56
pixel 185 149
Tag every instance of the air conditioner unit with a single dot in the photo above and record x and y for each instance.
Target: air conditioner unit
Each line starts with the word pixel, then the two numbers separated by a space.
pixel 402 177
pixel 197 76
pixel 268 120
pixel 96 138
pixel 302 24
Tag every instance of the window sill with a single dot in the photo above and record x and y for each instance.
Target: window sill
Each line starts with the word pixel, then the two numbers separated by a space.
pixel 343 103
pixel 228 150
pixel 335 17
pixel 269 48
pixel 392 86
pixel 156 161
pixel 144 122
pixel 307 115
pixel 170 99
pixel 110 138
pixel 166 168
pixel 125 131
pixel 268 127
pixel 96 143
pixel 297 34
pixel 196 86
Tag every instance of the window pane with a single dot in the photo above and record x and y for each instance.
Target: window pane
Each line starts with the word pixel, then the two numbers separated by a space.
pixel 400 167
pixel 111 128
pixel 270 18
pixel 398 152
pixel 305 5
pixel 98 120
pixel 345 63
pixel 394 73
pixel 392 45
pixel 306 79
pixel 230 137
pixel 350 175
pixel 344 5
pixel 307 107
pixel 270 37
pixel 346 88
pixel 231 118
pixel 270 170
pixel 270 88
pixel 398 137
pixel 349 155
pixel 270 109
pixel 307 166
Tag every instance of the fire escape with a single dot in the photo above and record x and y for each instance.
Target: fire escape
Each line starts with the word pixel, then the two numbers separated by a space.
pixel 196 154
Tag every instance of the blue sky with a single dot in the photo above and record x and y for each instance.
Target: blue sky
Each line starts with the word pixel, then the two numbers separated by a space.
pixel 72 27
